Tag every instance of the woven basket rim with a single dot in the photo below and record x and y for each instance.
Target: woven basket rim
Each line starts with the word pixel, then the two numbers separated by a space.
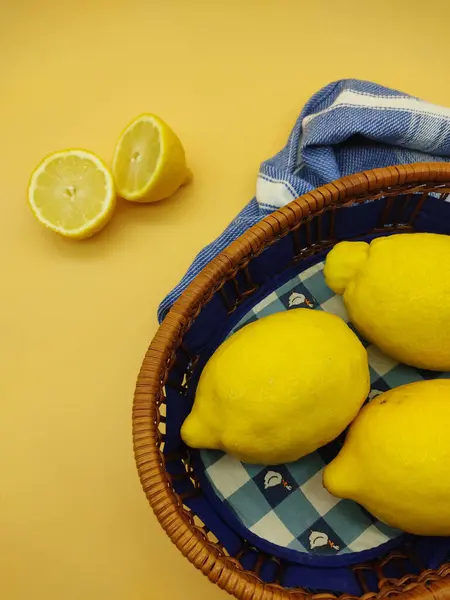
pixel 167 506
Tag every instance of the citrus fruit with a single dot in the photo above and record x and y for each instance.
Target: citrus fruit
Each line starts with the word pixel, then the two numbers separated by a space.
pixel 396 458
pixel 397 294
pixel 72 193
pixel 149 161
pixel 279 388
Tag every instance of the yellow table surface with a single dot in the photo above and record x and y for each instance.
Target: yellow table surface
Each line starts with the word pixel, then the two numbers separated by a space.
pixel 76 317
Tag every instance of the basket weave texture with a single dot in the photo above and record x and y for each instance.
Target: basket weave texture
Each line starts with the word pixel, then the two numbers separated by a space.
pixel 230 271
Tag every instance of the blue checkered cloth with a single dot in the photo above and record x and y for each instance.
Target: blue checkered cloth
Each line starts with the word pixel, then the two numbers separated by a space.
pixel 346 127
pixel 287 505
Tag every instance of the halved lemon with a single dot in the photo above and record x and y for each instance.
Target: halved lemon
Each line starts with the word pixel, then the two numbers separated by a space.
pixel 149 161
pixel 72 193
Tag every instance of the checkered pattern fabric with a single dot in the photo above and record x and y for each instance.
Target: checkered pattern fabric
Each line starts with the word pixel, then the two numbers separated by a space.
pixel 288 505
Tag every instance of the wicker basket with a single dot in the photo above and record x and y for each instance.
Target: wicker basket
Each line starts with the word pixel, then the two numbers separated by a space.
pixel 378 202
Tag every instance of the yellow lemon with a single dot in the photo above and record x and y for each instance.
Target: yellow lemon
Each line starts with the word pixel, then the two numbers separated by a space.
pixel 72 193
pixel 149 162
pixel 396 458
pixel 397 293
pixel 279 388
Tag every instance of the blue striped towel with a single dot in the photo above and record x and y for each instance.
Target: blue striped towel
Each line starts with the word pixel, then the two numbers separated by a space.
pixel 346 127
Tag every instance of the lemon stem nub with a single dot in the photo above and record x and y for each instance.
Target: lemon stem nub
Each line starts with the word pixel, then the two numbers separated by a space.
pixel 189 177
pixel 343 264
pixel 197 434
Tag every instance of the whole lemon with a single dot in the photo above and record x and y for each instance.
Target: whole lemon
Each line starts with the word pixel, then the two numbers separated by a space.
pixel 279 388
pixel 396 458
pixel 397 293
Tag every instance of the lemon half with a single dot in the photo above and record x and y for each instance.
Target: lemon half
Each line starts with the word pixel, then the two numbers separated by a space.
pixel 72 193
pixel 149 161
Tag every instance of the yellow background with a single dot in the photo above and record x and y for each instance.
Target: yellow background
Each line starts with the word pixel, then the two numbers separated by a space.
pixel 230 76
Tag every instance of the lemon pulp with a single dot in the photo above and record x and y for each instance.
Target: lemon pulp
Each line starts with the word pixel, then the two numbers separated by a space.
pixel 149 161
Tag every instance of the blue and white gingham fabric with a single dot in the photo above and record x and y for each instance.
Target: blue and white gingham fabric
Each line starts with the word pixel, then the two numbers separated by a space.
pixel 287 505
pixel 346 127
